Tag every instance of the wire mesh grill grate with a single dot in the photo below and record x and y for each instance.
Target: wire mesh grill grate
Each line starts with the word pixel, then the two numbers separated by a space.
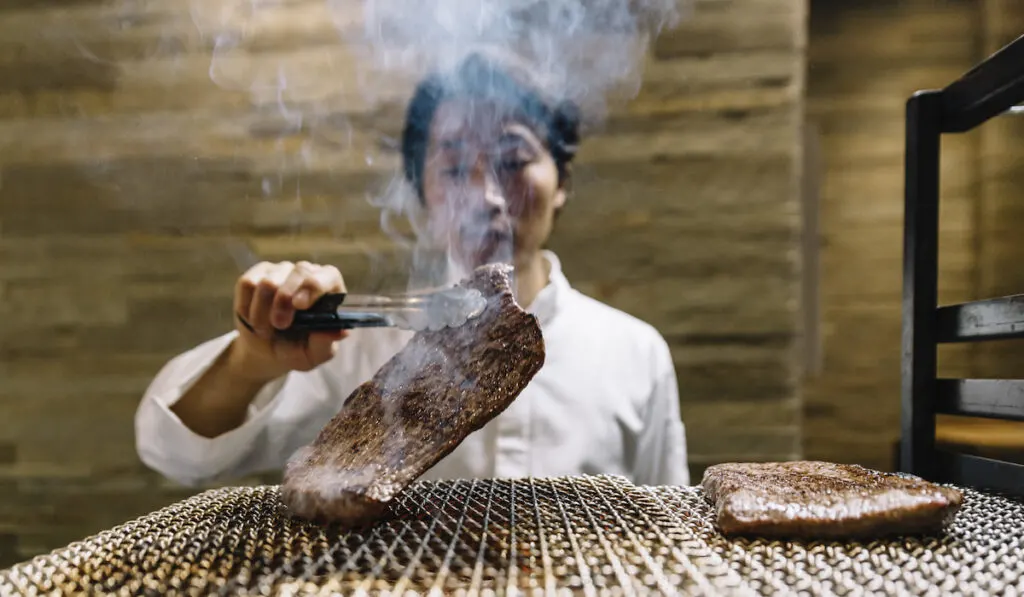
pixel 982 553
pixel 577 535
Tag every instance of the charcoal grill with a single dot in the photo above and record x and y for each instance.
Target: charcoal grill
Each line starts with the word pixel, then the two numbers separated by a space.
pixel 572 536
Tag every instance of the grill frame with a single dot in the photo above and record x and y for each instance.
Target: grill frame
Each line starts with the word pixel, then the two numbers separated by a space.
pixel 991 88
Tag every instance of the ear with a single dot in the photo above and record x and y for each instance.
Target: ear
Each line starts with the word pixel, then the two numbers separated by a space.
pixel 560 198
pixel 564 188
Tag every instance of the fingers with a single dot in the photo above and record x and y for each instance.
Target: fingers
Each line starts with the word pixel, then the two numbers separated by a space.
pixel 264 295
pixel 325 279
pixel 304 285
pixel 268 294
pixel 245 287
pixel 283 306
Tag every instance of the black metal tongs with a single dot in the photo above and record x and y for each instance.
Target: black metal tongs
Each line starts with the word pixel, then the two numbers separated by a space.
pixel 342 311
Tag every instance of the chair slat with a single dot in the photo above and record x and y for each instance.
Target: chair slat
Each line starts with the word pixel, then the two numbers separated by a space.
pixel 985 474
pixel 992 319
pixel 992 398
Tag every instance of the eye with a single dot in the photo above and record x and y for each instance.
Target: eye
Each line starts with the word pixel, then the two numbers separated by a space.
pixel 514 154
pixel 512 163
pixel 457 172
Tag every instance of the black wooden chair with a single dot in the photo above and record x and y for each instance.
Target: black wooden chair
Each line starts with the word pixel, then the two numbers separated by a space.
pixel 990 89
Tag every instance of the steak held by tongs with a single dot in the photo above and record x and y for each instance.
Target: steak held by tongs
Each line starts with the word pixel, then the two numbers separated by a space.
pixel 443 385
pixel 809 499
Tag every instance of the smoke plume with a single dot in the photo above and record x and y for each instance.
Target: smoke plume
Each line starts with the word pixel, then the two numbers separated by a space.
pixel 588 52
pixel 579 50
pixel 327 82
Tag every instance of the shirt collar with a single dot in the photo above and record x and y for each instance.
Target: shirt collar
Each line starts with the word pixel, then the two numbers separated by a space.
pixel 548 300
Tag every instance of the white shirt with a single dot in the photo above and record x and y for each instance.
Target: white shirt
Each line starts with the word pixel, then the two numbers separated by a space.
pixel 605 402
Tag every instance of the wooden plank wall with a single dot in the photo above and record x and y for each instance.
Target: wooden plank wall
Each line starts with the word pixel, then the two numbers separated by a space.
pixel 133 191
pixel 864 60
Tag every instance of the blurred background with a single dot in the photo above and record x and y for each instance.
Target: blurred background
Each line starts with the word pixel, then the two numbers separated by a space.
pixel 747 202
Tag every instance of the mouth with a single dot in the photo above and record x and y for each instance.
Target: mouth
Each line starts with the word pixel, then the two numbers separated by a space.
pixel 484 229
pixel 489 243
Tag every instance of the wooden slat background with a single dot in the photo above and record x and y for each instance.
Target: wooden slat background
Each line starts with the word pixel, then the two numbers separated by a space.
pixel 133 191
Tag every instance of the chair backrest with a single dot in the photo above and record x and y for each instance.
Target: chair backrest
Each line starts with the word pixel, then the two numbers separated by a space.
pixel 990 89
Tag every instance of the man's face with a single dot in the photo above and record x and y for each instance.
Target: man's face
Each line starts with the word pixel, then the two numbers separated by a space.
pixel 490 184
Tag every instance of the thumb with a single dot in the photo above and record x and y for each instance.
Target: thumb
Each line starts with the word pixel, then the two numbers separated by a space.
pixel 322 346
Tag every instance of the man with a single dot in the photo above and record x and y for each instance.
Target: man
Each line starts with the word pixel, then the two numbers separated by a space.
pixel 489 157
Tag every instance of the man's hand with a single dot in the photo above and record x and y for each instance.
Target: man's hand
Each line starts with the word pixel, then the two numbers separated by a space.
pixel 266 298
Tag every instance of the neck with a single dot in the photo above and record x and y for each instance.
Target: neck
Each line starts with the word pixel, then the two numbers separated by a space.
pixel 531 276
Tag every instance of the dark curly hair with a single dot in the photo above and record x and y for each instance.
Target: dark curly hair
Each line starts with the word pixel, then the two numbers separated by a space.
pixel 482 78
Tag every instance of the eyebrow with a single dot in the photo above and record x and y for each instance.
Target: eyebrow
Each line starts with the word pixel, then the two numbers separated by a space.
pixel 511 136
pixel 507 140
pixel 514 140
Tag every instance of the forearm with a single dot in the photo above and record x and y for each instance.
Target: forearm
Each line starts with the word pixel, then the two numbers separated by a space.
pixel 219 400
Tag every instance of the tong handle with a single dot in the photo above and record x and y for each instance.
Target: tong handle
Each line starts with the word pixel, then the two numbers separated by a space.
pixel 323 316
pixel 320 316
pixel 328 303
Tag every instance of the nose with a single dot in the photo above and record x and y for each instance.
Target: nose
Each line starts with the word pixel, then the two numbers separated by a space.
pixel 487 193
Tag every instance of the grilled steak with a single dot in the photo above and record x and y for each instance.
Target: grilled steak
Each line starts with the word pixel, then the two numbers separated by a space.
pixel 442 386
pixel 824 500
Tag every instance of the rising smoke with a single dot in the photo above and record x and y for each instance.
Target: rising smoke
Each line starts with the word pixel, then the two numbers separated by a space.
pixel 580 50
pixel 327 80
pixel 588 52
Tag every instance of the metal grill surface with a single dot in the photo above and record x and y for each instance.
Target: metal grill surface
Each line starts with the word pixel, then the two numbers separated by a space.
pixel 578 535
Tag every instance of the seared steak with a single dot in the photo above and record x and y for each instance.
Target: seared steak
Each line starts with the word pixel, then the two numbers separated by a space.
pixel 824 500
pixel 442 386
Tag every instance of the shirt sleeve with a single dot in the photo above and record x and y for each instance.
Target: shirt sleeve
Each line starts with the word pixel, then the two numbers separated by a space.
pixel 166 445
pixel 661 453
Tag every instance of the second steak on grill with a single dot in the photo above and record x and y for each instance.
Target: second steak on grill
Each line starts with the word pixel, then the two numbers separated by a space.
pixel 442 386
pixel 824 500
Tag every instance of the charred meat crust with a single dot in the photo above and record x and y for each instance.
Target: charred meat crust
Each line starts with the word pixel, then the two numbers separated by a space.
pixel 442 386
pixel 809 499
